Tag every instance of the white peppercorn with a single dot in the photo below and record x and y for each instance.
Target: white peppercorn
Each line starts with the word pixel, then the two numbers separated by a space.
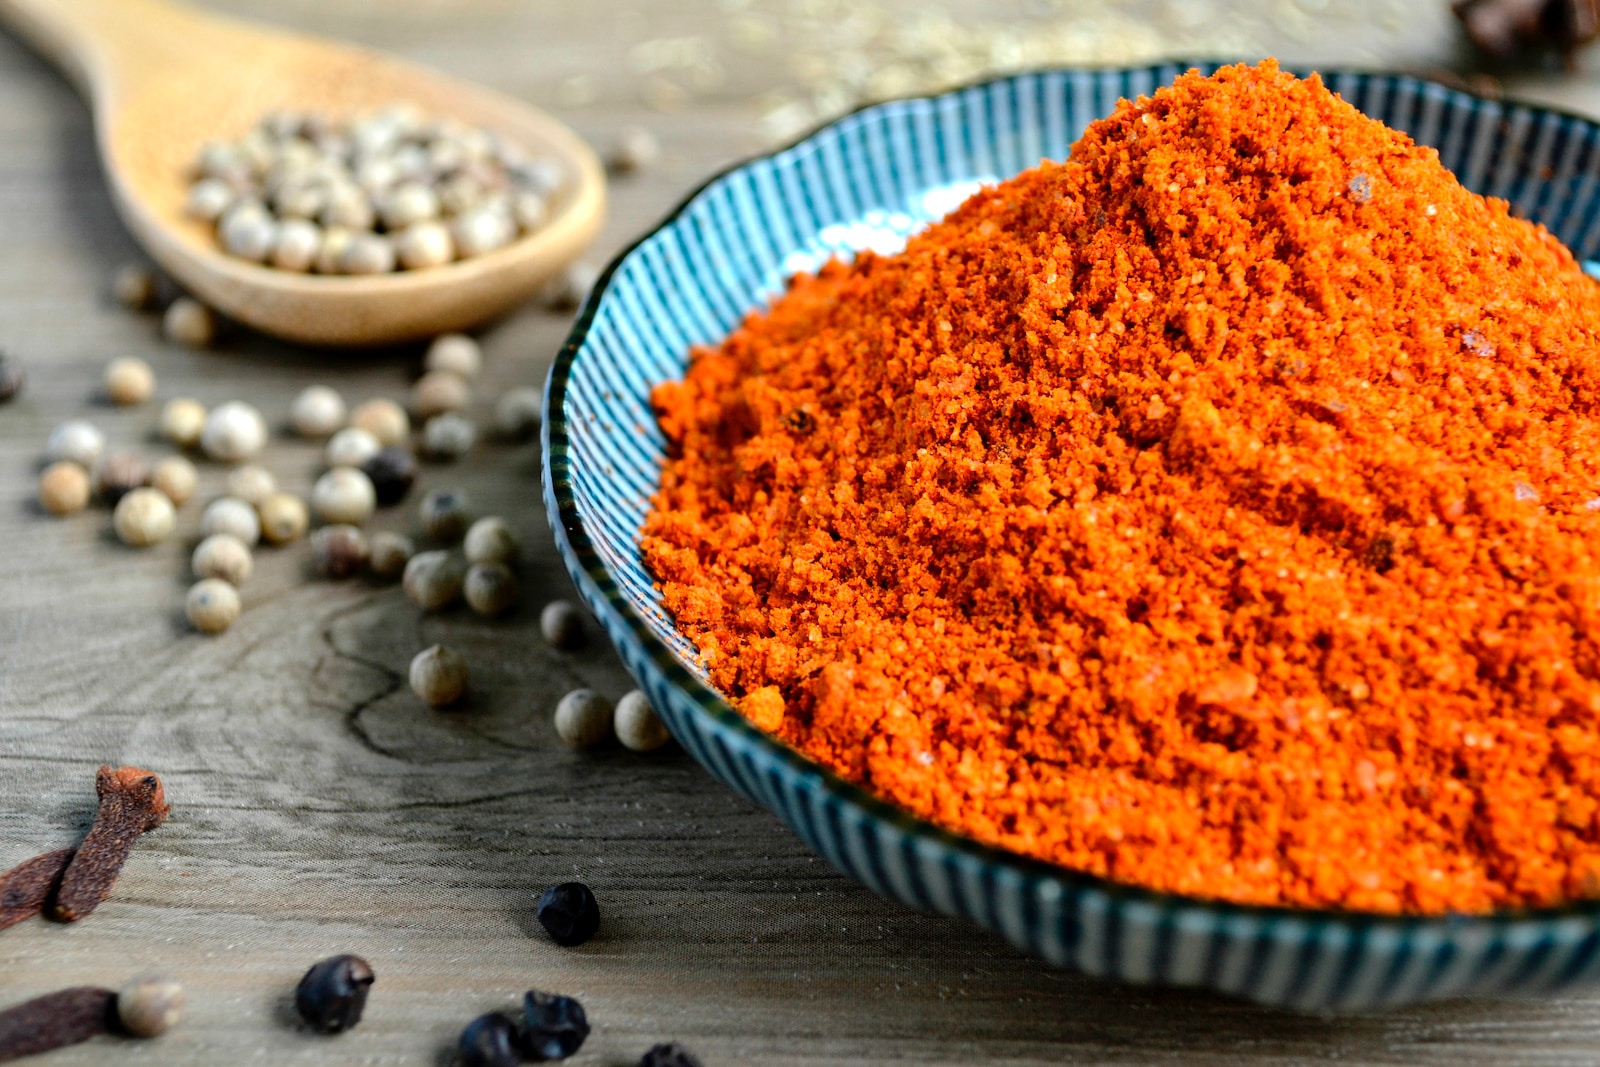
pixel 389 553
pixel 530 211
pixel 637 725
pixel 561 625
pixel 298 200
pixel 383 419
pixel 344 495
pixel 339 551
pixel 438 676
pixel 189 322
pixel 490 588
pixel 143 517
pixel 247 231
pixel 176 478
pixel 448 437
pixel 348 208
pixel 134 286
pixel 583 718
pixel 350 447
pixel 77 442
pixel 212 605
pixel 182 421
pixel 437 392
pixel 491 540
pixel 432 580
pixel 251 484
pixel 150 1005
pixel 223 556
pixel 234 432
pixel 230 515
pixel 64 488
pixel 367 253
pixel 407 203
pixel 456 353
pixel 119 475
pixel 518 413
pixel 444 514
pixel 284 518
pixel 129 381
pixel 481 230
pixel 424 244
pixel 636 149
pixel 209 199
pixel 297 244
pixel 330 253
pixel 317 412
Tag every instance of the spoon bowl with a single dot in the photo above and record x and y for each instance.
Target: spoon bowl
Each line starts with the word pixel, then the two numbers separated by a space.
pixel 163 80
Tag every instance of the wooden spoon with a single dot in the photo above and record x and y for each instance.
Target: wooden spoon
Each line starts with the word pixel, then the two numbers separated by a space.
pixel 163 80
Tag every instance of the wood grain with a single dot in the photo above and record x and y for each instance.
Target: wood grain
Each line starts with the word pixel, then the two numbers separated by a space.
pixel 318 808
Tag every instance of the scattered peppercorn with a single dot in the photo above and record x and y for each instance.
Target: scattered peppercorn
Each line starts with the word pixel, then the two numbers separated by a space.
pixel 317 412
pixel 234 432
pixel 134 286
pixel 448 437
pixel 143 517
pixel 64 488
pixel 54 1021
pixel 339 551
pixel 129 381
pixel 78 442
pixel 437 392
pixel 212 605
pixel 636 149
pixel 251 484
pixel 183 421
pixel 561 625
pixel 491 540
pixel 637 725
pixel 553 1026
pixel 389 554
pixel 367 253
pixel 383 419
pixel 433 579
pixel 223 556
pixel 11 378
pixel 518 413
pixel 456 353
pixel 230 515
pixel 569 913
pixel 490 1041
pixel 438 676
pixel 490 588
pixel 351 447
pixel 583 718
pixel 345 495
pixel 393 471
pixel 175 477
pixel 132 802
pixel 284 518
pixel 150 1005
pixel 189 322
pixel 668 1054
pixel 118 475
pixel 444 514
pixel 331 996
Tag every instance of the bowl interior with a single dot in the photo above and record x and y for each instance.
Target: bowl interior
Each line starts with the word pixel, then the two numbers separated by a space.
pixel 868 181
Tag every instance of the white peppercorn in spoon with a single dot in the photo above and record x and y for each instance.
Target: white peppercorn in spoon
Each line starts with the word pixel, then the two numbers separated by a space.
pixel 163 80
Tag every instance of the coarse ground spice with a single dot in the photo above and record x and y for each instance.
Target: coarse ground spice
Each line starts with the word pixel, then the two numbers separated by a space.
pixel 1215 511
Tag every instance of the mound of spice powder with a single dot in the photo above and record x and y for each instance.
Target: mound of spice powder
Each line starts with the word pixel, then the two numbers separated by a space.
pixel 1217 511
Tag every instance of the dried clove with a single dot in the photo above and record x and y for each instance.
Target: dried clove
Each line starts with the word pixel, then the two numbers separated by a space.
pixel 55 1020
pixel 27 887
pixel 131 802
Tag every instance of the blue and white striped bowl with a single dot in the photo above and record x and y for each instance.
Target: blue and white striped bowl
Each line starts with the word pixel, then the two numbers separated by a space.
pixel 868 180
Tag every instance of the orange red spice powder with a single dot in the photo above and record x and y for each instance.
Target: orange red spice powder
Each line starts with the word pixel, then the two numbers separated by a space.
pixel 1215 511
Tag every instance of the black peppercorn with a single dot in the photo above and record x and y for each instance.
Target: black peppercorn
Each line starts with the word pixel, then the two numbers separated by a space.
pixel 569 913
pixel 553 1027
pixel 490 1041
pixel 393 471
pixel 10 378
pixel 669 1054
pixel 333 992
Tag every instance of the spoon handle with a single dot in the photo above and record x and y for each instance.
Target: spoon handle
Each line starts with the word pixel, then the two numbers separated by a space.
pixel 106 47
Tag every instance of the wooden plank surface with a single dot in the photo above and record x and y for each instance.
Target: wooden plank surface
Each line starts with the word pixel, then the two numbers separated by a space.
pixel 318 808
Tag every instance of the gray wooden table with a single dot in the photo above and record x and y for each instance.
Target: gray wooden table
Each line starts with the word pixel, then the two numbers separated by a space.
pixel 318 808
